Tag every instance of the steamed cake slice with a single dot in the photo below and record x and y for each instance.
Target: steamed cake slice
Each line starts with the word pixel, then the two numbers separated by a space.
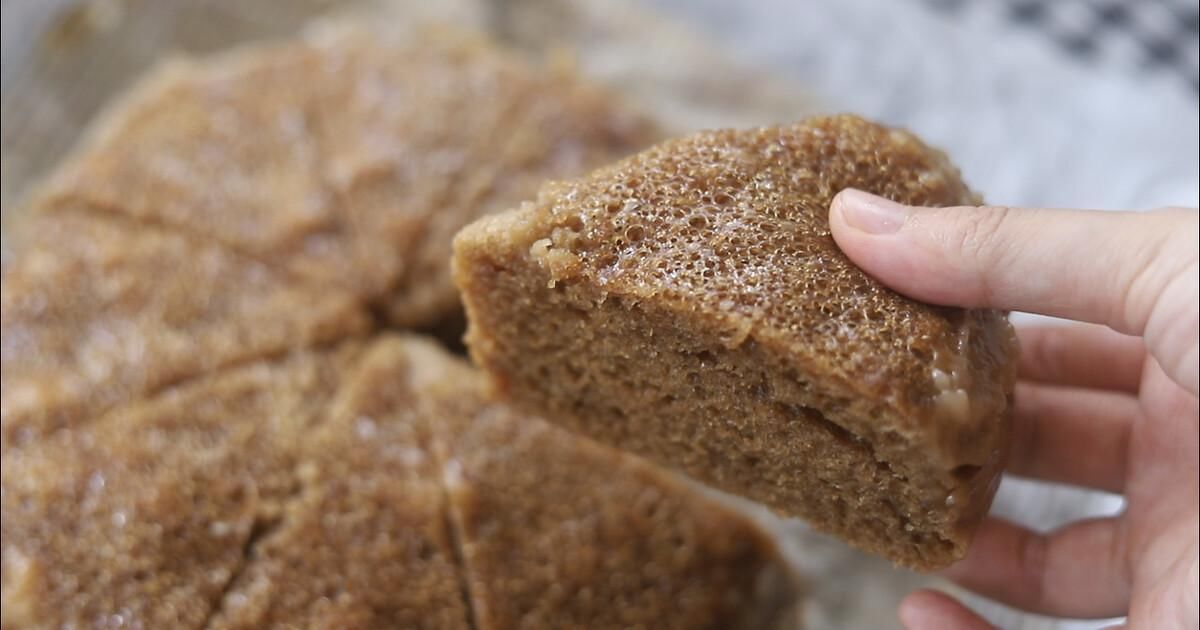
pixel 366 543
pixel 688 304
pixel 558 531
pixel 141 518
pixel 98 310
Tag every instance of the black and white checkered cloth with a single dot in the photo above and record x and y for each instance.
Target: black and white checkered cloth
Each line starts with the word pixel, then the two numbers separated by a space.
pixel 1136 35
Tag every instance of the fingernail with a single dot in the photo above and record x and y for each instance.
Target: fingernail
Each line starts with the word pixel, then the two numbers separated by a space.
pixel 870 213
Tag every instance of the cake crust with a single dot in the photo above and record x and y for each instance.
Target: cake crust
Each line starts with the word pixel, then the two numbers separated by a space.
pixel 344 158
pixel 141 517
pixel 689 304
pixel 366 487
pixel 365 541
pixel 98 311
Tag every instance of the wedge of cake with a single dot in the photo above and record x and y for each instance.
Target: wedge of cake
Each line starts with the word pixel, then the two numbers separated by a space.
pixel 142 517
pixel 558 531
pixel 97 310
pixel 365 539
pixel 688 304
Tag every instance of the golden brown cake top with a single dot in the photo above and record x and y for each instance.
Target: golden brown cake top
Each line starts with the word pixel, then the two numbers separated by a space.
pixel 346 157
pixel 732 227
pixel 141 517
pixel 98 310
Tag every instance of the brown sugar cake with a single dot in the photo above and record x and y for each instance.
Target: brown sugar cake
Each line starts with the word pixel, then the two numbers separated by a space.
pixel 688 304
pixel 98 310
pixel 205 426
pixel 142 518
pixel 558 531
pixel 346 158
pixel 365 543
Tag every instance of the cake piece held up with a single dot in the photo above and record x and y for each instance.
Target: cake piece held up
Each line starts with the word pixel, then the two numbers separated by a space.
pixel 688 304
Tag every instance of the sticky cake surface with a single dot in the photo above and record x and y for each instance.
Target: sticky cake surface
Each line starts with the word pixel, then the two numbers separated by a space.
pixel 689 304
pixel 345 157
pixel 98 310
pixel 365 488
pixel 141 517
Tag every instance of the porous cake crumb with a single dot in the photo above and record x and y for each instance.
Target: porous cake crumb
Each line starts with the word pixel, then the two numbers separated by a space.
pixel 689 304
pixel 559 531
pixel 366 541
pixel 365 488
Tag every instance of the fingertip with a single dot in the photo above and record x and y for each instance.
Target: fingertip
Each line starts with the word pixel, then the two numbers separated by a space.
pixel 927 608
pixel 867 213
pixel 870 231
pixel 837 211
pixel 913 610
pixel 856 243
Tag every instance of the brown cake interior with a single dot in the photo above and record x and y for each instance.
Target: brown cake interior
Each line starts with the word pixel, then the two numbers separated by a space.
pixel 689 304
pixel 365 542
pixel 347 159
pixel 556 543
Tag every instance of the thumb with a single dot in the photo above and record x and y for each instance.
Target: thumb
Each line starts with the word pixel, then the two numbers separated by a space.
pixel 1133 271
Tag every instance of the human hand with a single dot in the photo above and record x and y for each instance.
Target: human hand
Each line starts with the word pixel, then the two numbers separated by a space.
pixel 1110 404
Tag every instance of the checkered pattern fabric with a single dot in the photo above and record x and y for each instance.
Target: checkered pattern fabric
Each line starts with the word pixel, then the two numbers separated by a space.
pixel 1135 35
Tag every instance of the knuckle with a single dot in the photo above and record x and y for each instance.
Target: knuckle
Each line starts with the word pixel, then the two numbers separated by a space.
pixel 1154 264
pixel 982 231
pixel 981 242
pixel 1032 555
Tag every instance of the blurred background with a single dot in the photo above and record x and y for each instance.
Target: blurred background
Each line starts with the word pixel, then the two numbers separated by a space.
pixel 1078 103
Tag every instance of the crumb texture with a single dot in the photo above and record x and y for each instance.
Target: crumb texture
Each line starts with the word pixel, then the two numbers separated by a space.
pixel 561 544
pixel 689 304
pixel 366 542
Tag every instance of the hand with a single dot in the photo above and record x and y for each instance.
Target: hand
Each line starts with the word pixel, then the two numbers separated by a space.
pixel 1110 404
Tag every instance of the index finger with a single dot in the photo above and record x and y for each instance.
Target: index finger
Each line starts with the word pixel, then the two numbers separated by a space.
pixel 1102 267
